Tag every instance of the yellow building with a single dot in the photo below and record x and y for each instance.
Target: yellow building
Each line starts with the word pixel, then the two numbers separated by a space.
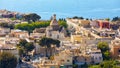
pixel 84 23
pixel 115 48
pixel 76 38
pixel 64 58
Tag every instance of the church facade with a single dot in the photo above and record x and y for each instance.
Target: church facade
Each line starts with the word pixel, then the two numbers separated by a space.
pixel 55 31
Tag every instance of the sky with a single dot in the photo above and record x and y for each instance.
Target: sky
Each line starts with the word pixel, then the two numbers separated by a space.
pixel 65 8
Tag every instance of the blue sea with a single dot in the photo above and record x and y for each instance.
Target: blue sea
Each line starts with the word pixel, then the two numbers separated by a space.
pixel 65 8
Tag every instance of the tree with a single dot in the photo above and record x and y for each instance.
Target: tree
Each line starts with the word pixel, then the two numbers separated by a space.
pixel 21 51
pixel 7 60
pixel 62 23
pixel 6 25
pixel 31 26
pixel 38 24
pixel 76 17
pixel 107 64
pixel 62 19
pixel 116 19
pixel 104 47
pixel 48 42
pixel 22 43
pixel 106 55
pixel 24 47
pixel 95 66
pixel 87 18
pixel 32 17
pixel 29 46
pixel 107 19
pixel 81 18
pixel 75 66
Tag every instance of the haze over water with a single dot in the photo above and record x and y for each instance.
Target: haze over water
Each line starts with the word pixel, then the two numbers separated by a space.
pixel 65 8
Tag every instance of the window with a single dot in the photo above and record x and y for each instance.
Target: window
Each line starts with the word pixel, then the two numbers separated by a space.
pixel 92 58
pixel 118 50
pixel 50 34
pixel 62 60
pixel 68 60
pixel 57 36
pixel 100 58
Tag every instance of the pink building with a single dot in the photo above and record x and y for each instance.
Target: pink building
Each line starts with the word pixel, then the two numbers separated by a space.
pixel 103 24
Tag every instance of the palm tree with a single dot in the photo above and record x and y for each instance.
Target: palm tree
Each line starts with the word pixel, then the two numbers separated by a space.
pixel 47 43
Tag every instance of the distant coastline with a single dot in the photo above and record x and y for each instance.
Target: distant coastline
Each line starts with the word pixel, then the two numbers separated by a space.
pixel 47 15
pixel 65 8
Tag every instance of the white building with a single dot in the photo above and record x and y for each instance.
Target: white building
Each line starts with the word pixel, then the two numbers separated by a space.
pixel 19 34
pixel 4 31
pixel 9 48
pixel 64 58
pixel 37 35
pixel 54 30
pixel 96 56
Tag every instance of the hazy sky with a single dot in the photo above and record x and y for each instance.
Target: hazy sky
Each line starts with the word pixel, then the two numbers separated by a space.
pixel 63 7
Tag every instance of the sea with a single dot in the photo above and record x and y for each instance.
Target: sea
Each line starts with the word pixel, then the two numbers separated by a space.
pixel 94 9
